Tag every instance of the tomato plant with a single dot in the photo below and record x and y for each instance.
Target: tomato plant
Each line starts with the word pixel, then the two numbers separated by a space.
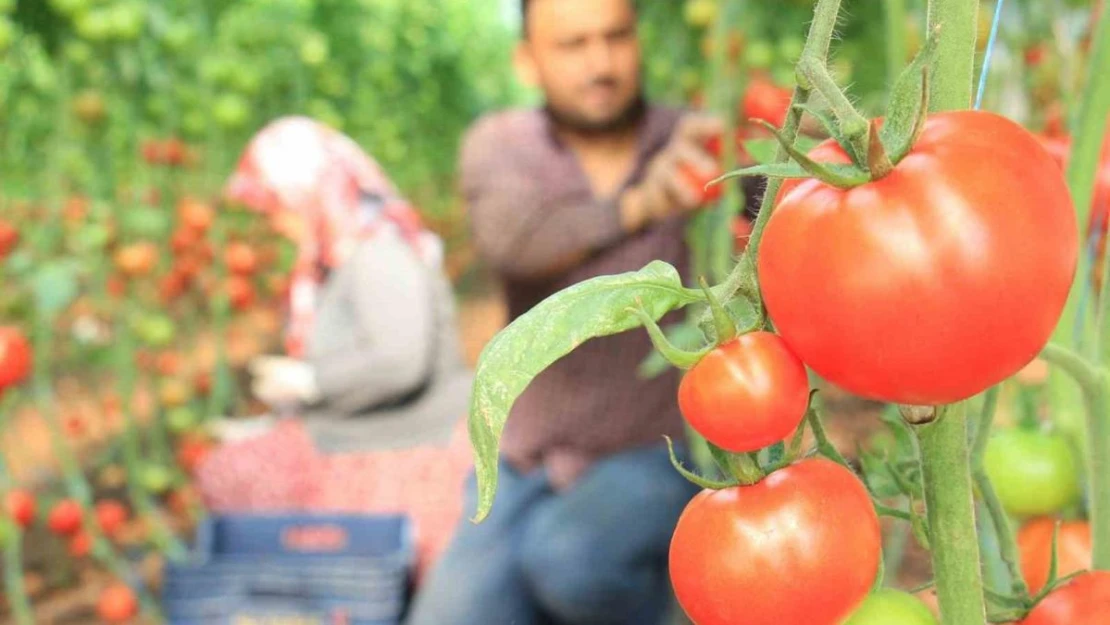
pixel 15 357
pixel 922 299
pixel 1084 600
pixel 1034 542
pixel 117 604
pixel 891 607
pixel 746 394
pixel 1033 472
pixel 801 546
pixel 64 518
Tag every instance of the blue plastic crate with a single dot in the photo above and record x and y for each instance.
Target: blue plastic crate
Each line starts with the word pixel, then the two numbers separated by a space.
pixel 307 536
pixel 294 569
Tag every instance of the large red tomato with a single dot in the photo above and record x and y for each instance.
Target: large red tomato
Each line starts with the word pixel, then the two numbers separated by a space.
pixel 15 357
pixel 1073 549
pixel 801 547
pixel 746 394
pixel 934 283
pixel 1084 600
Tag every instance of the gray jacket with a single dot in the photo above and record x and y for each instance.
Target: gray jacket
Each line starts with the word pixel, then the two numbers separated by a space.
pixel 386 353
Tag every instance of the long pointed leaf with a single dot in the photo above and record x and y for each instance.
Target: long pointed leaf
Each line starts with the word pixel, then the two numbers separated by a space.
pixel 555 327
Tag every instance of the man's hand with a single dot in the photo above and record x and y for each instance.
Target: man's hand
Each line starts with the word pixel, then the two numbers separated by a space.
pixel 675 178
pixel 279 380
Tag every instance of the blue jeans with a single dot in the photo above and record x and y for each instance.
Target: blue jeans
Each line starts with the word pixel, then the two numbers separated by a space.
pixel 593 555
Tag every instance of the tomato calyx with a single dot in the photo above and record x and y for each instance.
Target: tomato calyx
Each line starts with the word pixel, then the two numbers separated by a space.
pixel 875 148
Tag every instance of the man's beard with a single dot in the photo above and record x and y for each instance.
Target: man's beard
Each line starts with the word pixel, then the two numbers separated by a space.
pixel 625 119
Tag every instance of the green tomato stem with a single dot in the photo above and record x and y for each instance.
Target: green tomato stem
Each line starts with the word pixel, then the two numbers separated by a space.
pixel 951 84
pixel 1007 543
pixel 15 592
pixel 946 473
pixel 814 74
pixel 945 458
pixel 895 13
pixel 744 275
pixel 1087 133
pixel 729 81
pixel 1098 472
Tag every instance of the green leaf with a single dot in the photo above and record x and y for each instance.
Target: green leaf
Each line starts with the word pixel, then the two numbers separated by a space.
pixel 908 103
pixel 54 286
pixel 555 327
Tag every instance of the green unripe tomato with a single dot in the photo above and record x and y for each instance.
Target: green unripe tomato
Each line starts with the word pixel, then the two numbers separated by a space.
pixel 1034 473
pixel 892 607
pixel 181 420
pixel 156 479
pixel 231 111
pixel 156 330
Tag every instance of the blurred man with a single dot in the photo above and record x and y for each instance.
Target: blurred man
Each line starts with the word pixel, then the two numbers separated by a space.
pixel 592 184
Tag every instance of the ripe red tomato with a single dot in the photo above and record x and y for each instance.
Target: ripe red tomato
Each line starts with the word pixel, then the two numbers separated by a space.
pixel 1034 473
pixel 80 544
pixel 117 604
pixel 110 516
pixel 15 357
pixel 1084 600
pixel 1073 550
pixel 801 547
pixel 9 238
pixel 934 283
pixel 20 506
pixel 765 100
pixel 240 258
pixel 746 394
pixel 64 518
